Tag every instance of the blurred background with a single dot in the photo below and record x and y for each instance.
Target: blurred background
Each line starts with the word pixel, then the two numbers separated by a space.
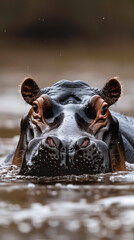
pixel 51 40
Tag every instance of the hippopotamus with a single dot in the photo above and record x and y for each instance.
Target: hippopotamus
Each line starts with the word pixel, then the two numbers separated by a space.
pixel 69 129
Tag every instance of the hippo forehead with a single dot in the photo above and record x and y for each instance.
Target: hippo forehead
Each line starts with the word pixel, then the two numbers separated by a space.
pixel 66 91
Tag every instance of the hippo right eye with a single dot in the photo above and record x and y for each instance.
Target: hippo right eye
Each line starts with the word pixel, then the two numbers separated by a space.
pixel 35 108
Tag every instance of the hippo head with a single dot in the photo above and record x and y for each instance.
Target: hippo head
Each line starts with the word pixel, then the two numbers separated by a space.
pixel 69 130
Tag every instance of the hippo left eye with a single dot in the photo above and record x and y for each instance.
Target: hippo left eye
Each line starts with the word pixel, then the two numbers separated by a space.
pixel 104 110
pixel 35 108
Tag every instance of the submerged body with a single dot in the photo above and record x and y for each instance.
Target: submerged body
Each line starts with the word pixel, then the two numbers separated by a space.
pixel 70 130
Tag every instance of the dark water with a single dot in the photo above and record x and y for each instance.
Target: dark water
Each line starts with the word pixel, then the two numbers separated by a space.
pixel 97 207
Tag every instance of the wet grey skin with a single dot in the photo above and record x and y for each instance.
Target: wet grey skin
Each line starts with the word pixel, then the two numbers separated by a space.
pixel 70 130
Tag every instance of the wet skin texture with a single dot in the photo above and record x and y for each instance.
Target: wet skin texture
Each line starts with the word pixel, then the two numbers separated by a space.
pixel 70 130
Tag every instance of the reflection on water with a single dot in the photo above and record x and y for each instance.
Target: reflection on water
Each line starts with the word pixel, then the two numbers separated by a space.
pixel 66 211
pixel 65 208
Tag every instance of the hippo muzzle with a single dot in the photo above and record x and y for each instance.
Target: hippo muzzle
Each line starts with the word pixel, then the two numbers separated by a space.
pixel 66 132
pixel 52 157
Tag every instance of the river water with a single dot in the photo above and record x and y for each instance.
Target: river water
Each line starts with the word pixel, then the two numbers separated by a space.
pixel 99 207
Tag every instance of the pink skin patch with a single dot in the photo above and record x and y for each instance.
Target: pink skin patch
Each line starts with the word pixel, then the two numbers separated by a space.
pixel 51 142
pixel 85 143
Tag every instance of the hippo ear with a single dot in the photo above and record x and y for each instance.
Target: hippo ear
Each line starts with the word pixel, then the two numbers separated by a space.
pixel 111 91
pixel 30 90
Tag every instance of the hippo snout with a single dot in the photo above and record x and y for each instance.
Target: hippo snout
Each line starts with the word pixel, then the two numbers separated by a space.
pixel 55 157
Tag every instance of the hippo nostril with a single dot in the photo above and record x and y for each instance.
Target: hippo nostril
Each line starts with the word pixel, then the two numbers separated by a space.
pixel 50 142
pixel 85 143
pixel 53 142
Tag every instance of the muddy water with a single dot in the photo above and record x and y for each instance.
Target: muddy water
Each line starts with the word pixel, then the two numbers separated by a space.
pixel 85 207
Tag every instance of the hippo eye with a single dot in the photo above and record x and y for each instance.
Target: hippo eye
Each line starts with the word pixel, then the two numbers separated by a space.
pixel 104 110
pixel 35 108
